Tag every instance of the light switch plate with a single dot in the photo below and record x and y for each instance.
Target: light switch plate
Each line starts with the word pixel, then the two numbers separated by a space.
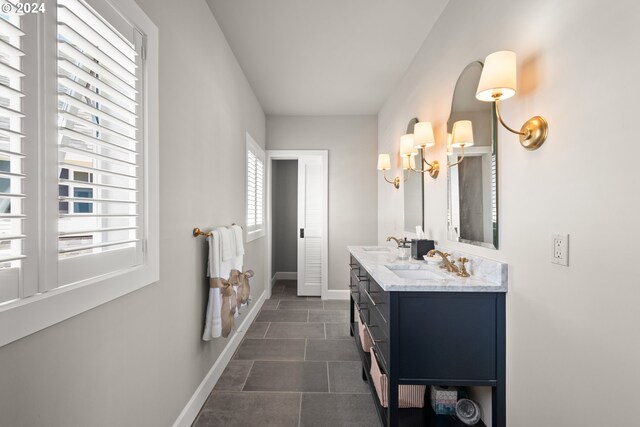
pixel 560 249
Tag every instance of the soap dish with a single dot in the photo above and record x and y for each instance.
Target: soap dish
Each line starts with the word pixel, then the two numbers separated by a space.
pixel 432 260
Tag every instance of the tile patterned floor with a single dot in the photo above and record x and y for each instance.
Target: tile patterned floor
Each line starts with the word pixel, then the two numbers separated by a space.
pixel 297 366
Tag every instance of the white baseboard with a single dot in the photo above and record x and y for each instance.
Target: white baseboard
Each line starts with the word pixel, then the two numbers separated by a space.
pixel 336 294
pixel 284 275
pixel 191 410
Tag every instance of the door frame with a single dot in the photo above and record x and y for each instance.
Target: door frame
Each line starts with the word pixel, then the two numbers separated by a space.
pixel 274 155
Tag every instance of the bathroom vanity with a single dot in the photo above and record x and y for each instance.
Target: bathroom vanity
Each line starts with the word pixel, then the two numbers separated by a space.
pixel 430 327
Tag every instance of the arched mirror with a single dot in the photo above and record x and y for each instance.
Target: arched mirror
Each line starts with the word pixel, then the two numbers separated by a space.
pixel 413 189
pixel 472 153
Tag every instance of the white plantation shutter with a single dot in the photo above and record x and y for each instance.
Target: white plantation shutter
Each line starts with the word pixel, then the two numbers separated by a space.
pixel 79 195
pixel 12 149
pixel 99 144
pixel 255 190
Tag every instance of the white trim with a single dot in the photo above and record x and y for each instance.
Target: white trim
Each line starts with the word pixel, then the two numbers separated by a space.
pixel 295 155
pixel 192 409
pixel 336 294
pixel 285 275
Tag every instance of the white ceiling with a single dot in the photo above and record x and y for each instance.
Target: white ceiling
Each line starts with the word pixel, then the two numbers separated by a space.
pixel 325 57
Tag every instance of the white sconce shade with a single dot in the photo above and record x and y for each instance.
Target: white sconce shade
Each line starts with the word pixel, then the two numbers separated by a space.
pixel 408 162
pixel 462 134
pixel 423 135
pixel 498 79
pixel 407 145
pixel 384 162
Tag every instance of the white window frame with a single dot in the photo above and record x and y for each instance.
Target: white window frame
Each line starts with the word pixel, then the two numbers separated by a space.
pixel 53 304
pixel 259 230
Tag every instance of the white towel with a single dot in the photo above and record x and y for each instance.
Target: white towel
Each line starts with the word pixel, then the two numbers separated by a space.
pixel 226 241
pixel 237 232
pixel 226 244
pixel 213 320
pixel 237 260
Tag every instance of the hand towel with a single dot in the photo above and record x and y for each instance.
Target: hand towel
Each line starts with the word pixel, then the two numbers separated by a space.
pixel 237 260
pixel 239 235
pixel 213 320
pixel 227 263
pixel 226 241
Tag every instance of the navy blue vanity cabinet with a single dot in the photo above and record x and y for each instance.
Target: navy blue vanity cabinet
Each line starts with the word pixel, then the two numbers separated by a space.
pixel 431 338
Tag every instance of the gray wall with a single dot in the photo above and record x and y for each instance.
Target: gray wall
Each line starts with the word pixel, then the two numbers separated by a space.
pixel 351 141
pixel 137 360
pixel 284 216
pixel 571 331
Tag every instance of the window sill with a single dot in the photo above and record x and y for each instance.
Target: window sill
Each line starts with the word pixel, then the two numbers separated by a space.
pixel 254 235
pixel 27 316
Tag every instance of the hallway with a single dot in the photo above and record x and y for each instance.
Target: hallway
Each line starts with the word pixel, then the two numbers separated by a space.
pixel 297 366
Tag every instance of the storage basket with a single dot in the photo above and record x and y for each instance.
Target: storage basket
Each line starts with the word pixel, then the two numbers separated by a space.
pixel 409 396
pixel 365 339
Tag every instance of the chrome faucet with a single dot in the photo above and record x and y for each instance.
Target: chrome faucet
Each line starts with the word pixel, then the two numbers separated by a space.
pixel 448 264
pixel 400 243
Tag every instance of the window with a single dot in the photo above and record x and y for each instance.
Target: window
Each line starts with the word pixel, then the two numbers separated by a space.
pixel 88 119
pixel 255 190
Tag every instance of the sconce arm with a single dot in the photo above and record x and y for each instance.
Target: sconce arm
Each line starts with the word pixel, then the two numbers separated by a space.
pixel 427 163
pixel 395 182
pixel 459 160
pixel 433 168
pixel 497 103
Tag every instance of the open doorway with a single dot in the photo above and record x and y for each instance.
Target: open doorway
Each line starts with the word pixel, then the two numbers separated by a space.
pixel 297 207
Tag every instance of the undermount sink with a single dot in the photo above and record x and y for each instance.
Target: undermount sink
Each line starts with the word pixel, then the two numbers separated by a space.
pixel 380 249
pixel 415 274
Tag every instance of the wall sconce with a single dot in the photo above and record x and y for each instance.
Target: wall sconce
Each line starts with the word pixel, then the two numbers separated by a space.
pixel 421 138
pixel 408 163
pixel 384 164
pixel 498 82
pixel 461 136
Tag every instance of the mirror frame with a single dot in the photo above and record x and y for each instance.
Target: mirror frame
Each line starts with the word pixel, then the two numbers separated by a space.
pixel 410 129
pixel 494 153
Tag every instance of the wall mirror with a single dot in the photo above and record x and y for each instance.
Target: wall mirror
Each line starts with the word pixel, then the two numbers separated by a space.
pixel 472 174
pixel 413 189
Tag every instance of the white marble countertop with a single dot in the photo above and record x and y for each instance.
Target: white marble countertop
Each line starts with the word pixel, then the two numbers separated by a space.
pixel 381 262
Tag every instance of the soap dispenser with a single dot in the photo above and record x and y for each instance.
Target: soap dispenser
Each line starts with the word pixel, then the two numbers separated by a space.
pixel 404 250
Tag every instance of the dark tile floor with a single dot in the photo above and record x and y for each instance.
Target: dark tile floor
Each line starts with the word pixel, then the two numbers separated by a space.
pixel 297 366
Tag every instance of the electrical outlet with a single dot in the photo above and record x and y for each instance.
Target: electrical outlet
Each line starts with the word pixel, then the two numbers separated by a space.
pixel 560 249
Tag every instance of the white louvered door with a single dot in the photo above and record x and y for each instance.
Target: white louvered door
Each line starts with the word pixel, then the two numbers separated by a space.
pixel 99 143
pixel 311 220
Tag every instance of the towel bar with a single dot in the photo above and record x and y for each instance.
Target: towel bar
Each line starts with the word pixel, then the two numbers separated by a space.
pixel 197 232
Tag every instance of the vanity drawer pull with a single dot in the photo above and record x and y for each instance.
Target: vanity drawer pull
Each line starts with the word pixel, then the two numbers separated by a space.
pixel 375 304
pixel 361 279
pixel 358 307
pixel 375 341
